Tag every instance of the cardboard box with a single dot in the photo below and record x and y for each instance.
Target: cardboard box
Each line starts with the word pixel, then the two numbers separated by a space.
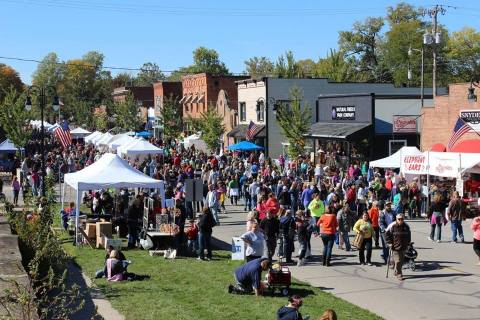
pixel 104 228
pixel 91 230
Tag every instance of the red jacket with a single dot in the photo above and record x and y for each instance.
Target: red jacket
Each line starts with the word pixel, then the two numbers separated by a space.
pixel 272 205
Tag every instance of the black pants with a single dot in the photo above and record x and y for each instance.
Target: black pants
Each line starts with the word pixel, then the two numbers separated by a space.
pixel 15 196
pixel 367 244
pixel 234 199
pixel 376 235
pixel 288 248
pixel 271 246
pixel 476 247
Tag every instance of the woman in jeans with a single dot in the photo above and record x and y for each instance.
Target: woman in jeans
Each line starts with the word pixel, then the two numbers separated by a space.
pixel 328 227
pixel 364 226
pixel 436 216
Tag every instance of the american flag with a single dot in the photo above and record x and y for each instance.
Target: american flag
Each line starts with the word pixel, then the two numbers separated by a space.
pixel 62 132
pixel 252 128
pixel 461 127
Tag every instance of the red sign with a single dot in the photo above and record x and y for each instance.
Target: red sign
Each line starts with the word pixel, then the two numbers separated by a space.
pixel 405 124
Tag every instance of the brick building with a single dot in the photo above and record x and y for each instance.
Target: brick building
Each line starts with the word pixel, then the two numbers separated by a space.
pixel 204 90
pixel 142 95
pixel 163 90
pixel 439 120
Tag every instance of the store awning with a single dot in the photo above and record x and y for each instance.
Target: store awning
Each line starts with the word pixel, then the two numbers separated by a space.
pixel 345 131
pixel 240 131
pixel 438 147
pixel 200 97
pixel 183 99
pixel 467 146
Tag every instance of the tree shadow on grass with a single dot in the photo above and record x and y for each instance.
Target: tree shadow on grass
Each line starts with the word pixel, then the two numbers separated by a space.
pixel 88 311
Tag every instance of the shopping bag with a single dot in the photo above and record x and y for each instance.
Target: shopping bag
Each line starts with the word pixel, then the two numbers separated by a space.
pixel 358 240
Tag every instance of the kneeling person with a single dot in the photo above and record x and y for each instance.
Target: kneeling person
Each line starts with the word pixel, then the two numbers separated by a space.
pixel 249 276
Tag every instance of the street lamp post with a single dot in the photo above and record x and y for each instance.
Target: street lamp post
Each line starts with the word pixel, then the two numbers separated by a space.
pixel 422 83
pixel 41 92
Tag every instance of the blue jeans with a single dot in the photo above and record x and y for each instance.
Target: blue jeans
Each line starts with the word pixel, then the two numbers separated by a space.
pixel 248 203
pixel 204 242
pixel 328 241
pixel 384 247
pixel 456 225
pixel 214 211
pixel 192 245
pixel 345 238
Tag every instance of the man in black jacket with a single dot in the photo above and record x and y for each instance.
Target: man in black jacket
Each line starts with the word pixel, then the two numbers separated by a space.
pixel 398 237
pixel 271 228
pixel 205 228
pixel 135 213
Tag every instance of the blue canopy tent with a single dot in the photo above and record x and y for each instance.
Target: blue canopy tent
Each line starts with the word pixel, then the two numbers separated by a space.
pixel 244 146
pixel 143 134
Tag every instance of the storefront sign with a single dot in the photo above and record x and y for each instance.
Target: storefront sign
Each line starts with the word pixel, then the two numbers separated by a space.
pixel 343 113
pixel 404 124
pixel 472 118
pixel 416 164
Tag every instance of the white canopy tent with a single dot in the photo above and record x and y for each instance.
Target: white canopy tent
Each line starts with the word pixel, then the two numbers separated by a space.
pixel 121 141
pixel 110 171
pixel 8 146
pixel 37 124
pixel 138 147
pixel 90 137
pixel 395 160
pixel 104 140
pixel 195 140
pixel 79 133
pixel 97 138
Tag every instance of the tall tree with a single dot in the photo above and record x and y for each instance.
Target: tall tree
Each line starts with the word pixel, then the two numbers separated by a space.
pixel 208 60
pixel 258 67
pixel 210 124
pixel 464 55
pixel 49 71
pixel 335 67
pixel 149 74
pixel 363 44
pixel 406 30
pixel 286 66
pixel 171 118
pixel 82 113
pixel 126 114
pixel 123 79
pixel 14 117
pixel 295 121
pixel 9 77
pixel 306 68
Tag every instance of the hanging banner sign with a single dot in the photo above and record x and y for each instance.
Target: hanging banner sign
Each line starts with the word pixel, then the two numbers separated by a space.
pixel 472 118
pixel 405 124
pixel 414 164
pixel 343 113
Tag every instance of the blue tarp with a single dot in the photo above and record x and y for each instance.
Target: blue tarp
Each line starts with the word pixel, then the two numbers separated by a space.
pixel 143 134
pixel 244 146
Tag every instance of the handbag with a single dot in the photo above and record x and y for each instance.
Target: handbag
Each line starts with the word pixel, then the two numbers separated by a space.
pixel 358 240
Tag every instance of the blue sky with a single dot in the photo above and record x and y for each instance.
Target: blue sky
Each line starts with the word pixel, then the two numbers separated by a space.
pixel 130 32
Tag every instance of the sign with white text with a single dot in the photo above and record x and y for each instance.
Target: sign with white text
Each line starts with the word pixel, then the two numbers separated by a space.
pixel 404 124
pixel 343 113
pixel 415 164
pixel 472 118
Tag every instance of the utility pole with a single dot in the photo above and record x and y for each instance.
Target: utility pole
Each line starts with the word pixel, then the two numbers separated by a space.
pixel 435 41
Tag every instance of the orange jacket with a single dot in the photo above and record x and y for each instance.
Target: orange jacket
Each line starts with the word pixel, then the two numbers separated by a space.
pixel 328 223
pixel 272 205
pixel 374 214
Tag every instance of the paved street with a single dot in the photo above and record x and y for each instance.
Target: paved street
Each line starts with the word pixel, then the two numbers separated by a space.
pixel 446 284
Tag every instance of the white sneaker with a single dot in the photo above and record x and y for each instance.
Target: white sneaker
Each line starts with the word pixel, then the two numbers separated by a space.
pixel 430 238
pixel 438 241
pixel 299 263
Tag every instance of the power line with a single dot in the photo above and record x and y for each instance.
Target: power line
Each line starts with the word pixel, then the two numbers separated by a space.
pixel 178 10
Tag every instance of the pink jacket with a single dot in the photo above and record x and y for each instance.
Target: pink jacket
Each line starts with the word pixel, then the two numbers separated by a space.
pixel 262 210
pixel 476 228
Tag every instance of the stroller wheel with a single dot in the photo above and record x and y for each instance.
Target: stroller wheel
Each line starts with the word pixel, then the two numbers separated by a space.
pixel 412 265
pixel 285 291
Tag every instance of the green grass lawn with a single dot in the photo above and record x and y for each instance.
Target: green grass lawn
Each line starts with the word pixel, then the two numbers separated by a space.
pixel 189 289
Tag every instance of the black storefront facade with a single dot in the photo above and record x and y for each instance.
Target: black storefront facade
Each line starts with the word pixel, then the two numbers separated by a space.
pixel 358 127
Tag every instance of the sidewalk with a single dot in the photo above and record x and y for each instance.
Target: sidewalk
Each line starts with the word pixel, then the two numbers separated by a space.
pixel 444 286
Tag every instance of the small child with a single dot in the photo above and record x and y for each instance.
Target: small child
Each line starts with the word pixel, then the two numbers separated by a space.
pixel 192 237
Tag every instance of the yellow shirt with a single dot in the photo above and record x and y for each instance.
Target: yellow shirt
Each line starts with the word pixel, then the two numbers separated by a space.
pixel 365 226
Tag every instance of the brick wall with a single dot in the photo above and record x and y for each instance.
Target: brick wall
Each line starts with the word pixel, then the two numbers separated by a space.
pixel 438 122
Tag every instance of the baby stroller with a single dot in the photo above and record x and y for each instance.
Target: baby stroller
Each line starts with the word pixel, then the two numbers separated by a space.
pixel 410 256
